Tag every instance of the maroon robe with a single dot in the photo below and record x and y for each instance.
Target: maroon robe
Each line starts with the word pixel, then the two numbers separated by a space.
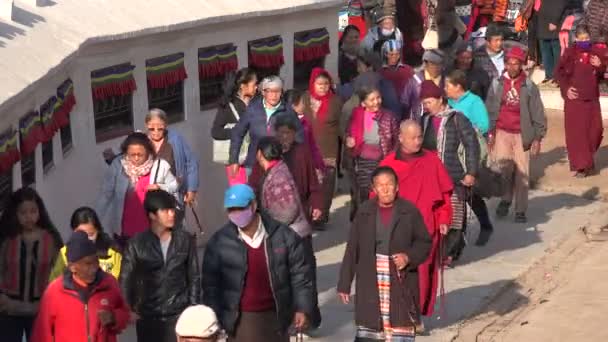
pixel 424 181
pixel 582 116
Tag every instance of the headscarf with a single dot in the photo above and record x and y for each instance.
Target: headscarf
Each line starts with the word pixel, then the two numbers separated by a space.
pixel 391 45
pixel 321 114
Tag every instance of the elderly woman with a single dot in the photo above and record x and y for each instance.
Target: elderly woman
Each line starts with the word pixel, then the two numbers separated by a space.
pixel 258 122
pixel 135 171
pixel 322 111
pixel 444 131
pixel 477 79
pixel 371 136
pixel 388 240
pixel 280 198
pixel 393 70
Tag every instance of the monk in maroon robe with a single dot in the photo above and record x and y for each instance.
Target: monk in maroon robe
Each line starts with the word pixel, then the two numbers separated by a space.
pixel 579 71
pixel 424 181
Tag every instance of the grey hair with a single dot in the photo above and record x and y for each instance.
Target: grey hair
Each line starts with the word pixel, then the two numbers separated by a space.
pixel 272 81
pixel 156 113
pixel 405 124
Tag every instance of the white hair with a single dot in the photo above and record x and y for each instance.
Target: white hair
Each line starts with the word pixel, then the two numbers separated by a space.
pixel 271 82
pixel 156 113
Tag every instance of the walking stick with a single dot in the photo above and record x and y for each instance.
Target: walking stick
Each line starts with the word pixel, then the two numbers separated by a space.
pixel 198 222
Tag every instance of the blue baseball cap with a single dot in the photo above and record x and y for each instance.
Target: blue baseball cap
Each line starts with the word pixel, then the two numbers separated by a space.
pixel 238 196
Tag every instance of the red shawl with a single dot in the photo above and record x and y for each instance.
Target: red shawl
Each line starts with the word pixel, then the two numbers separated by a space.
pixel 321 114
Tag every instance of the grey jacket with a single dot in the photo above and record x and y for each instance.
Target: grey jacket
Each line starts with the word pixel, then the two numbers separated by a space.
pixel 532 111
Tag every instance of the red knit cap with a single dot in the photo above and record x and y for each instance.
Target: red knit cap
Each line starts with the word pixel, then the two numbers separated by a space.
pixel 430 89
pixel 517 53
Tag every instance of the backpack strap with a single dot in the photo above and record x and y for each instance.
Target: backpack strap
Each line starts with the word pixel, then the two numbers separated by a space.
pixel 234 111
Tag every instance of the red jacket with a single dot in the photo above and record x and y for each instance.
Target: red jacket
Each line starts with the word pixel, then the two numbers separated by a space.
pixel 65 316
pixel 388 130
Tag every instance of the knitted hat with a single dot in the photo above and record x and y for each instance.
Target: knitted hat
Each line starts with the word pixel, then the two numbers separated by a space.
pixel 434 56
pixel 430 89
pixel 197 321
pixel 79 246
pixel 517 53
pixel 391 46
pixel 383 13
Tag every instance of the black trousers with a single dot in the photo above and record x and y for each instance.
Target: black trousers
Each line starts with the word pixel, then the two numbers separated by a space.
pixel 12 328
pixel 156 330
pixel 481 211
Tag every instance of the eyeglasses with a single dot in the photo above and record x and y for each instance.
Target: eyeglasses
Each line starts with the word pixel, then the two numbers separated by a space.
pixel 153 129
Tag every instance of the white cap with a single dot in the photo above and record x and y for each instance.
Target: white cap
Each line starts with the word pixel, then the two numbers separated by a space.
pixel 197 321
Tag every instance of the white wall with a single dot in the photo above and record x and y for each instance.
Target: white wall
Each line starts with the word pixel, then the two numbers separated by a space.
pixel 75 179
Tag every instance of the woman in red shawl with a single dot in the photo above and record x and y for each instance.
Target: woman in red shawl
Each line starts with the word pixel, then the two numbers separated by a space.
pixel 323 108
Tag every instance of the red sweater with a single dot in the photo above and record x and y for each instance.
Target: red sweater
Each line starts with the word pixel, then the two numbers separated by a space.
pixel 62 316
pixel 257 293
pixel 510 106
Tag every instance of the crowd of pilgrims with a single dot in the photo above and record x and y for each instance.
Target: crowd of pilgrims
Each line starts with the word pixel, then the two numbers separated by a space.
pixel 415 146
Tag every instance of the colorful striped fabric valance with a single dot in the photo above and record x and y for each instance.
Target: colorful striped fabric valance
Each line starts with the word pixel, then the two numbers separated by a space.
pixel 46 118
pixel 31 132
pixel 217 61
pixel 311 45
pixel 64 104
pixel 9 153
pixel 116 80
pixel 165 71
pixel 266 53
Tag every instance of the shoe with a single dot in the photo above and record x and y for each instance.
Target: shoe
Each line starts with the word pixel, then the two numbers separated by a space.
pixel 503 209
pixel 483 237
pixel 520 218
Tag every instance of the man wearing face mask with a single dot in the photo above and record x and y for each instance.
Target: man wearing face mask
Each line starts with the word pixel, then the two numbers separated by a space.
pixel 385 29
pixel 578 73
pixel 255 273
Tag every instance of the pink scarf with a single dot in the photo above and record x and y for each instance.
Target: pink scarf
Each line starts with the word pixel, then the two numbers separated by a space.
pixel 368 120
pixel 135 172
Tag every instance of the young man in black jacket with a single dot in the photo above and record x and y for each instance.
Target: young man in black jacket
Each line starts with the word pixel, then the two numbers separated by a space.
pixel 160 273
pixel 256 276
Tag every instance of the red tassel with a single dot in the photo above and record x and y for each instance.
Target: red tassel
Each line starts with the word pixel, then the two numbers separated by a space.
pixel 61 118
pixel 8 159
pixel 114 89
pixel 266 60
pixel 33 138
pixel 217 68
pixel 159 81
pixel 311 52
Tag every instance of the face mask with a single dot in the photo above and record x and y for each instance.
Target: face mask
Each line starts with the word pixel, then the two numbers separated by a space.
pixel 586 45
pixel 387 32
pixel 241 218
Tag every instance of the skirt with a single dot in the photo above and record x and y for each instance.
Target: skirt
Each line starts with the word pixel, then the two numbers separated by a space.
pixel 388 333
pixel 363 178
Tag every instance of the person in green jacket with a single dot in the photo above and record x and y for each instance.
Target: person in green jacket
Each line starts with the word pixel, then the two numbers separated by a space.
pixel 464 101
pixel 85 219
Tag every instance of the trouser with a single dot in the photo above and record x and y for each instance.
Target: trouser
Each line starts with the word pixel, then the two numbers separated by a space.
pixel 478 205
pixel 533 53
pixel 329 188
pixel 259 327
pixel 514 165
pixel 12 328
pixel 156 330
pixel 315 320
pixel 550 52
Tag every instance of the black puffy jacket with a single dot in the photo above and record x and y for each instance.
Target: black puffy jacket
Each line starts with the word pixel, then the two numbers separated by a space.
pixel 156 288
pixel 225 267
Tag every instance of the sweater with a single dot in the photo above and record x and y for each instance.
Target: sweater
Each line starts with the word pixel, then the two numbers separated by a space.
pixel 257 293
pixel 474 109
pixel 508 118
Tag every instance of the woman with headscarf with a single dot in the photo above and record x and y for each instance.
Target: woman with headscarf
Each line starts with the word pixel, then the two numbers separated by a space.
pixel 349 48
pixel 371 136
pixel 393 70
pixel 323 109
pixel 120 203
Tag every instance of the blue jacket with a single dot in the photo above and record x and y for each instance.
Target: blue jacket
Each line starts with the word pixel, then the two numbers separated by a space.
pixel 186 163
pixel 473 107
pixel 258 125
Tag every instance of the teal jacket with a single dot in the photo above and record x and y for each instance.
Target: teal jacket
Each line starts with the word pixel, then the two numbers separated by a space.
pixel 473 107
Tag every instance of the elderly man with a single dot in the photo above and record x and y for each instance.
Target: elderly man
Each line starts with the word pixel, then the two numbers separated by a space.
pixel 424 181
pixel 198 323
pixel 433 70
pixel 478 80
pixel 517 126
pixel 382 258
pixel 255 273
pixel 385 30
pixel 393 69
pixel 491 56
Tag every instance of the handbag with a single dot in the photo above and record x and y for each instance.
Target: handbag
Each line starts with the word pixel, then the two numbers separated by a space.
pixel 221 148
pixel 431 36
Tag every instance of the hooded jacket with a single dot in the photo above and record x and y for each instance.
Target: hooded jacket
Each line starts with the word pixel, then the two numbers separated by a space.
pixel 69 315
